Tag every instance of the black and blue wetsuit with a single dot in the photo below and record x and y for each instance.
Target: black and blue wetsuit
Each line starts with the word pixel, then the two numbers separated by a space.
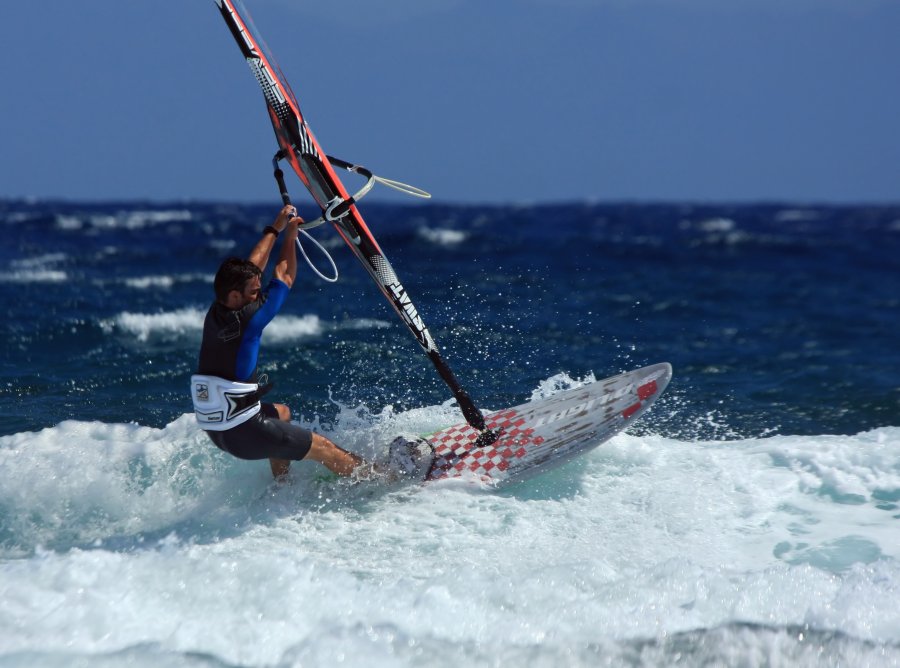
pixel 230 350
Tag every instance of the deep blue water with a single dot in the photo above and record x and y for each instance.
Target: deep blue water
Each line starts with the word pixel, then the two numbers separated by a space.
pixel 750 517
pixel 776 318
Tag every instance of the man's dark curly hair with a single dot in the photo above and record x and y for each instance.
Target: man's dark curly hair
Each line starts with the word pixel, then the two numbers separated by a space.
pixel 233 274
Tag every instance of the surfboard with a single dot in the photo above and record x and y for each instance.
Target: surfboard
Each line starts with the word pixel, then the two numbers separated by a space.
pixel 544 433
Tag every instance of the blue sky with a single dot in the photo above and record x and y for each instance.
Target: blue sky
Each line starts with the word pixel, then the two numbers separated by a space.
pixel 476 101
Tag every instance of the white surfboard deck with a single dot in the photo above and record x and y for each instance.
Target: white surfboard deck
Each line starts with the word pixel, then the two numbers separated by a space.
pixel 544 433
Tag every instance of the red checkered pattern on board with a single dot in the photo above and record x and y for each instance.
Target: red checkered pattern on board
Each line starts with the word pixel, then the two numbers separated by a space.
pixel 455 454
pixel 455 451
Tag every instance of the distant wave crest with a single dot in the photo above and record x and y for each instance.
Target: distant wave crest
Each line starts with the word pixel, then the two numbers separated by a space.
pixel 130 220
pixel 189 321
pixel 442 236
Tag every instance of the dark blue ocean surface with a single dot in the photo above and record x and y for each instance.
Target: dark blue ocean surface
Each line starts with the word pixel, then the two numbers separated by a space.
pixel 777 318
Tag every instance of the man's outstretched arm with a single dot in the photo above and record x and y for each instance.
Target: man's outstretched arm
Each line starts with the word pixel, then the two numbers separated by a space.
pixel 286 269
pixel 260 253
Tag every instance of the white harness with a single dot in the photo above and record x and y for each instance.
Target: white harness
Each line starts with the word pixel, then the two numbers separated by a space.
pixel 221 404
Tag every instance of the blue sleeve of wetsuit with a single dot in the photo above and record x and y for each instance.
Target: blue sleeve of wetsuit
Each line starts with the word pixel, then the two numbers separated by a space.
pixel 248 353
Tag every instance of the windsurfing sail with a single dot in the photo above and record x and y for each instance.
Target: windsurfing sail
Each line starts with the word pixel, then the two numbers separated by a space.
pixel 316 170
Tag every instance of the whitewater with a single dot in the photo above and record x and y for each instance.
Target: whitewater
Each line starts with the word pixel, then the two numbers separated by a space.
pixel 133 545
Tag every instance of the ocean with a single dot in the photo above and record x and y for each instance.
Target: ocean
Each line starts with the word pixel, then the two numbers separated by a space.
pixel 749 519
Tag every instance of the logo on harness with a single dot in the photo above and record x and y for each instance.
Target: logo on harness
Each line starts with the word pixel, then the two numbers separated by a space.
pixel 202 391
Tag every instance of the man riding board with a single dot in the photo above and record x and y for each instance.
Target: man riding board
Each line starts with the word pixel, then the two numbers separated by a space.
pixel 226 390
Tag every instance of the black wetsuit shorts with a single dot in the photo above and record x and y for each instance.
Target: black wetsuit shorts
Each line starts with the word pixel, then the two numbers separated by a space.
pixel 264 436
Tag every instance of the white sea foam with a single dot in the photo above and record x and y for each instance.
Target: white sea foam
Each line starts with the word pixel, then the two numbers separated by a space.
pixel 717 231
pixel 123 541
pixel 717 225
pixel 286 328
pixel 166 281
pixel 137 219
pixel 442 236
pixel 189 321
pixel 34 276
pixel 36 269
pixel 557 383
pixel 131 219
pixel 143 326
pixel 795 215
pixel 69 223
pixel 38 261
pixel 16 218
pixel 292 328
pixel 365 323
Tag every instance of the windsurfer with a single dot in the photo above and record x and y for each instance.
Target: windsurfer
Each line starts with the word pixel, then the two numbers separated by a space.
pixel 226 389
